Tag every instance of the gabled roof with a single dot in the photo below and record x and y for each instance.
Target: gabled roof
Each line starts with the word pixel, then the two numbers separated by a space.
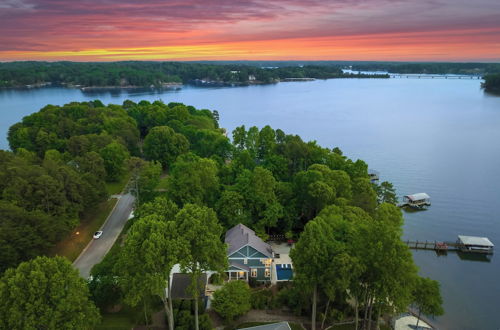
pixel 240 235
pixel 239 266
pixel 181 283
pixel 418 197
pixel 274 326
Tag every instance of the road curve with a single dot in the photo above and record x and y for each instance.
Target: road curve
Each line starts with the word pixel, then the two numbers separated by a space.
pixel 97 248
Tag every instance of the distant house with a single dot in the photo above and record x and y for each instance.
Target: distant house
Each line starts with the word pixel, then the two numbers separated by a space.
pixel 249 256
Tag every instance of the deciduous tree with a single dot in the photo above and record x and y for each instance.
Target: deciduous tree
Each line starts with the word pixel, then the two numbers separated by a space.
pixel 45 293
pixel 199 228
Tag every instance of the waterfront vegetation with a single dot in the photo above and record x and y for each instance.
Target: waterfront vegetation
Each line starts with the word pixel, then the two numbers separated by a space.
pixel 349 231
pixel 157 74
pixel 492 83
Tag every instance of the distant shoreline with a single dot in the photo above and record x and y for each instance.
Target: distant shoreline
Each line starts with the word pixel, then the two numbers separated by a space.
pixel 195 82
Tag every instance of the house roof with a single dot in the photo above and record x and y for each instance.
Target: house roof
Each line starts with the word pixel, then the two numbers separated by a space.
pixel 418 197
pixel 472 240
pixel 239 266
pixel 274 326
pixel 240 235
pixel 180 285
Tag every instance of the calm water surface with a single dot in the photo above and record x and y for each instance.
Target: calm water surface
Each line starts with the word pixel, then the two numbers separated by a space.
pixel 434 135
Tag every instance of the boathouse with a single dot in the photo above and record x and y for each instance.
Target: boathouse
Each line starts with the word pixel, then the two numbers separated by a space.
pixel 373 175
pixel 475 244
pixel 420 200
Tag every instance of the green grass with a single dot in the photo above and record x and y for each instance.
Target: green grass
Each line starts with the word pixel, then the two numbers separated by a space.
pixel 114 188
pixel 72 245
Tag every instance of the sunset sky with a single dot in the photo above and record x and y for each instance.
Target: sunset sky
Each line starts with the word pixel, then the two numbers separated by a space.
pixel 111 30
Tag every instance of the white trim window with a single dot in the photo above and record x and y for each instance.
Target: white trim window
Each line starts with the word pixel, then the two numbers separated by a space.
pixel 267 273
pixel 245 261
pixel 253 272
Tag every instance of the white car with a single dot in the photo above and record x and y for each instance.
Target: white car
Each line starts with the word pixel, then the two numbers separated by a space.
pixel 97 234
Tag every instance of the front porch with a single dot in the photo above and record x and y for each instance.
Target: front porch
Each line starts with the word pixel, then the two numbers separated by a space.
pixel 237 275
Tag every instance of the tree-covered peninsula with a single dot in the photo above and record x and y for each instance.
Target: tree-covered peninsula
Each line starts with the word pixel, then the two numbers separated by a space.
pixel 349 259
pixel 492 83
pixel 157 74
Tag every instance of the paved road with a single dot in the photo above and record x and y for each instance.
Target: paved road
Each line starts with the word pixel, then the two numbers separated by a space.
pixel 97 248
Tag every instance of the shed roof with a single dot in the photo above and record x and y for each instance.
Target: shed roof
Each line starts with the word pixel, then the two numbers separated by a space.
pixel 181 282
pixel 472 240
pixel 273 326
pixel 418 196
pixel 240 235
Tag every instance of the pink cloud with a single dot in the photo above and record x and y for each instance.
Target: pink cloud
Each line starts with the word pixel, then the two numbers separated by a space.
pixel 62 25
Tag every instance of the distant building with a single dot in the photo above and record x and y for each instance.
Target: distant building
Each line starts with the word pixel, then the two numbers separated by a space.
pixel 251 77
pixel 249 256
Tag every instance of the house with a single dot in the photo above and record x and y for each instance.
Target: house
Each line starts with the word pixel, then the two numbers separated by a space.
pixel 249 256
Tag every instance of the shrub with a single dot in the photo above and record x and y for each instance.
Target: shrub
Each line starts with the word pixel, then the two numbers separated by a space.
pixel 232 300
pixel 261 299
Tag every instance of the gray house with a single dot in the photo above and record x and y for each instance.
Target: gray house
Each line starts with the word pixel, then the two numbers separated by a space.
pixel 249 256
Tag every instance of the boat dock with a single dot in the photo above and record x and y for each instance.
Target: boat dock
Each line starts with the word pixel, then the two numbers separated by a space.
pixel 433 245
pixel 469 244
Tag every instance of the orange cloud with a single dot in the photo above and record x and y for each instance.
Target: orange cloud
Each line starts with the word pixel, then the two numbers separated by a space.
pixel 93 30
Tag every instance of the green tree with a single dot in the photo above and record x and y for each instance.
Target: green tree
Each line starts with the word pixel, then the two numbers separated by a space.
pixel 310 258
pixel 145 178
pixel 198 226
pixel 193 180
pixel 427 297
pixel 114 156
pixel 259 189
pixel 363 195
pixel 231 209
pixel 45 293
pixel 232 300
pixel 386 193
pixel 152 247
pixel 239 137
pixel 163 144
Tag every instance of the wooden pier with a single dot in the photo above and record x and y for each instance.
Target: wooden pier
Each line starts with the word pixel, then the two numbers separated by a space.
pixel 433 245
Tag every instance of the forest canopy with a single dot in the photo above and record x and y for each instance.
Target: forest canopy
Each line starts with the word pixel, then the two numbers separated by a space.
pixel 157 74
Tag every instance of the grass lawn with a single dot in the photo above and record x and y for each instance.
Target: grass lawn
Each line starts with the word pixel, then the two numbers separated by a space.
pixel 92 220
pixel 114 188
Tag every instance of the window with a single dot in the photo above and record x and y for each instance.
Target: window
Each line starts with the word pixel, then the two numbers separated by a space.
pixel 267 272
pixel 253 272
pixel 245 261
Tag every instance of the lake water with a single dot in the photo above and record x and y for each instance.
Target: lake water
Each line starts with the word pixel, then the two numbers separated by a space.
pixel 436 136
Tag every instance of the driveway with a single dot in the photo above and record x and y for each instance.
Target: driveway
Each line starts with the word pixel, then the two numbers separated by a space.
pixel 97 248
